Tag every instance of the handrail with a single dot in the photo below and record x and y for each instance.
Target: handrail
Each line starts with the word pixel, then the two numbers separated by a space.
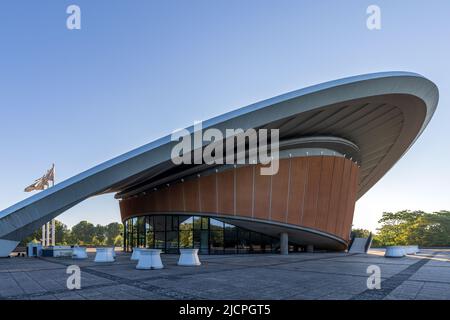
pixel 352 238
pixel 368 242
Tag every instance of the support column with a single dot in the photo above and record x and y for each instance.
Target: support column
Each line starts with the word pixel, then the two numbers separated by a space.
pixel 43 235
pixel 284 243
pixel 53 232
pixel 48 233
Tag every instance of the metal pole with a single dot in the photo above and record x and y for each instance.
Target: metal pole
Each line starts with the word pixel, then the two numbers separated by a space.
pixel 53 220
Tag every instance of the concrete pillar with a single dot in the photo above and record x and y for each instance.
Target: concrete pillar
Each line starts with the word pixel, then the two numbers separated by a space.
pixel 284 243
pixel 53 232
pixel 48 233
pixel 43 235
pixel 309 248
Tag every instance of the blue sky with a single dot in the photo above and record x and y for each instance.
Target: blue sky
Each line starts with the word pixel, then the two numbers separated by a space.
pixel 139 69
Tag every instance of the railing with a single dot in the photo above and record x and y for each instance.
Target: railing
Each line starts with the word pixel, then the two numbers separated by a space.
pixel 352 238
pixel 368 242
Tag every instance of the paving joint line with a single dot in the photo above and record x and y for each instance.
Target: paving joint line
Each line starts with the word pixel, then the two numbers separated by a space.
pixel 392 283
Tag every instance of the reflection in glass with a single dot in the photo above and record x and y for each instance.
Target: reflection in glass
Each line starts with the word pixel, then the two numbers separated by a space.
pixel 160 239
pixel 186 239
pixel 172 242
pixel 159 223
pixel 172 232
pixel 230 238
pixel 186 222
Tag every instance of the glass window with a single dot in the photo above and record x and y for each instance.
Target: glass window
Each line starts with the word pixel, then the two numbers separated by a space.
pixel 243 241
pixel 209 235
pixel 149 224
pixel 204 223
pixel 266 243
pixel 216 224
pixel 230 238
pixel 149 240
pixel 159 223
pixel 197 223
pixel 130 234
pixel 186 239
pixel 216 241
pixel 141 236
pixel 160 239
pixel 135 232
pixel 186 222
pixel 197 237
pixel 171 223
pixel 125 235
pixel 255 242
pixel 172 242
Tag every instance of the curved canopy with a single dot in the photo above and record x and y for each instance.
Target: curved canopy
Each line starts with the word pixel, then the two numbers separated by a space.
pixel 382 114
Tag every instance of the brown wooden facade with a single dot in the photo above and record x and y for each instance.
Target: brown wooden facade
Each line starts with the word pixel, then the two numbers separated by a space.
pixel 316 192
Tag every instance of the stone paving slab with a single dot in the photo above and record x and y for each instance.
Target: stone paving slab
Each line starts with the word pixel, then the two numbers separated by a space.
pixel 259 276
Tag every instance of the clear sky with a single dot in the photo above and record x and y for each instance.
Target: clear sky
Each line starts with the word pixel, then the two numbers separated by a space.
pixel 139 69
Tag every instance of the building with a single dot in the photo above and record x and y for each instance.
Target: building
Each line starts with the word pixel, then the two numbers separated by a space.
pixel 337 140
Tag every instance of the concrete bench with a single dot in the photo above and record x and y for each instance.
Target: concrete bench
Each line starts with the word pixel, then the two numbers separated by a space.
pixel 395 252
pixel 149 259
pixel 189 257
pixel 411 249
pixel 104 255
pixel 79 253
pixel 135 254
pixel 62 251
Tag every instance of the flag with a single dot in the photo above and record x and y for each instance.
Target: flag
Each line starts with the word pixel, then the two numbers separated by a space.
pixel 50 175
pixel 42 182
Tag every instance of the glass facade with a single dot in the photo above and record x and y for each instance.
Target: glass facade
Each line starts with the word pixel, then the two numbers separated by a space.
pixel 209 235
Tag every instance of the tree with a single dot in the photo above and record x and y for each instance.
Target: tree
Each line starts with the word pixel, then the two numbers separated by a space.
pixel 414 227
pixel 112 231
pixel 99 235
pixel 62 234
pixel 361 233
pixel 83 233
pixel 36 236
pixel 118 241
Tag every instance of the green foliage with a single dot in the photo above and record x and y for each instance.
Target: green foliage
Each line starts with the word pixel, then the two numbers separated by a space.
pixel 414 227
pixel 112 231
pixel 118 241
pixel 361 233
pixel 83 233
pixel 62 234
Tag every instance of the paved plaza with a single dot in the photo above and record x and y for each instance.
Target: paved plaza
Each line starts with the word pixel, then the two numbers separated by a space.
pixel 263 276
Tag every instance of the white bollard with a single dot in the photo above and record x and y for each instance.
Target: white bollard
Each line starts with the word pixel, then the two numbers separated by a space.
pixel 104 255
pixel 411 249
pixel 395 252
pixel 144 260
pixel 156 259
pixel 79 253
pixel 135 254
pixel 189 257
pixel 149 259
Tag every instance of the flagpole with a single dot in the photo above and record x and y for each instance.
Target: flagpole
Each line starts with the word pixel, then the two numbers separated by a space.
pixel 42 184
pixel 53 220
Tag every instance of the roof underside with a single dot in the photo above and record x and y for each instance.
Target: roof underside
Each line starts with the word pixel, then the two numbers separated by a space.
pixel 374 124
pixel 382 114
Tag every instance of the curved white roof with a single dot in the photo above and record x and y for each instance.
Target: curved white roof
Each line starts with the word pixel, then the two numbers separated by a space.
pixel 381 113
